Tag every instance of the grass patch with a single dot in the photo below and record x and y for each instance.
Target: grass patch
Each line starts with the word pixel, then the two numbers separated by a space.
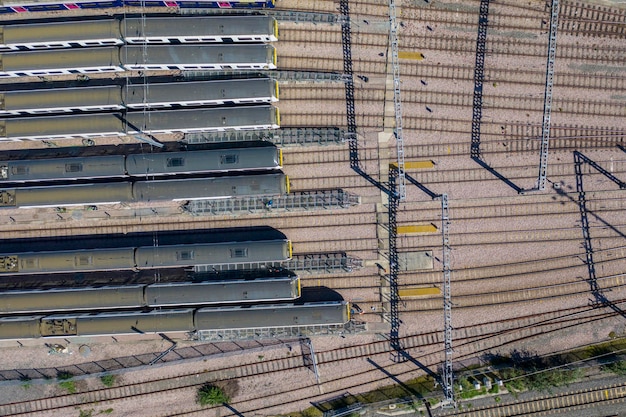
pixel 107 380
pixel 211 395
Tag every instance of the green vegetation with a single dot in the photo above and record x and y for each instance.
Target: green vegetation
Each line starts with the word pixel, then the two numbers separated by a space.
pixel 107 380
pixel 85 413
pixel 618 368
pixel 26 382
pixel 107 411
pixel 211 395
pixel 66 381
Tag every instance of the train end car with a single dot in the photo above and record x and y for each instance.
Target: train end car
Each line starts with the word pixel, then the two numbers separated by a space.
pixel 275 315
pixel 212 254
pixel 232 4
pixel 61 127
pixel 222 292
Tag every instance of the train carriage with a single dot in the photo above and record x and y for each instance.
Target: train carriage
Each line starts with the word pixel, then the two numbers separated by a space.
pixel 20 327
pixel 199 29
pixel 141 165
pixel 52 35
pixel 60 62
pixel 196 57
pixel 62 127
pixel 67 195
pixel 200 93
pixel 123 322
pixel 277 315
pixel 29 170
pixel 68 299
pixel 202 120
pixel 60 100
pixel 146 257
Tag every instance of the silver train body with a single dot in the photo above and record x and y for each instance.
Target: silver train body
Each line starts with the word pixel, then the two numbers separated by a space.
pixel 175 320
pixel 156 121
pixel 142 165
pixel 126 58
pixel 137 97
pixel 145 191
pixel 132 30
pixel 153 295
pixel 144 257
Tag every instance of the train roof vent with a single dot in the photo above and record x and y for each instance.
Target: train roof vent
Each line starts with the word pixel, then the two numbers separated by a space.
pixel 229 158
pixel 239 253
pixel 184 255
pixel 74 167
pixel 175 162
pixel 83 260
pixel 19 170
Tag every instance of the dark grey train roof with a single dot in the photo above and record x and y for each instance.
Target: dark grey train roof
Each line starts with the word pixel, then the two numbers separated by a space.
pixel 74 194
pixel 260 289
pixel 60 299
pixel 194 54
pixel 61 58
pixel 271 316
pixel 197 26
pixel 61 98
pixel 61 168
pixel 206 188
pixel 59 31
pixel 51 126
pixel 154 321
pixel 223 117
pixel 185 92
pixel 20 327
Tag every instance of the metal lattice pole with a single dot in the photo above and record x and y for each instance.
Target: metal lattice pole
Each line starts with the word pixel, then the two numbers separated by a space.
pixel 547 102
pixel 448 376
pixel 397 102
pixel 394 267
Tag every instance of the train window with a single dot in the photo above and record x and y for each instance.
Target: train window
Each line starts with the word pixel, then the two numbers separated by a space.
pixel 239 253
pixel 74 167
pixel 83 260
pixel 184 255
pixel 229 159
pixel 175 162
pixel 19 170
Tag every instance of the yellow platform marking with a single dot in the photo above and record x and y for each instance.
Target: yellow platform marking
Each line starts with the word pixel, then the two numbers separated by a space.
pixel 415 164
pixel 416 228
pixel 410 55
pixel 418 292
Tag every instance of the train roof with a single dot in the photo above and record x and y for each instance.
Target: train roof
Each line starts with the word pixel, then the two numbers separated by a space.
pixel 61 126
pixel 197 91
pixel 199 119
pixel 60 299
pixel 194 54
pixel 54 98
pixel 75 194
pixel 212 292
pixel 197 26
pixel 127 322
pixel 38 33
pixel 208 188
pixel 20 327
pixel 61 58
pixel 275 315
pixel 62 168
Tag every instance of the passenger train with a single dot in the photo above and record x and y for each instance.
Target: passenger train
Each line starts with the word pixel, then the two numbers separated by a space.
pixel 153 295
pixel 135 30
pixel 155 121
pixel 262 185
pixel 176 320
pixel 25 6
pixel 126 58
pixel 130 97
pixel 145 257
pixel 142 165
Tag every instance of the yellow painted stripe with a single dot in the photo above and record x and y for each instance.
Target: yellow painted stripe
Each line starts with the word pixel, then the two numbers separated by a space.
pixel 415 164
pixel 417 292
pixel 416 228
pixel 410 55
